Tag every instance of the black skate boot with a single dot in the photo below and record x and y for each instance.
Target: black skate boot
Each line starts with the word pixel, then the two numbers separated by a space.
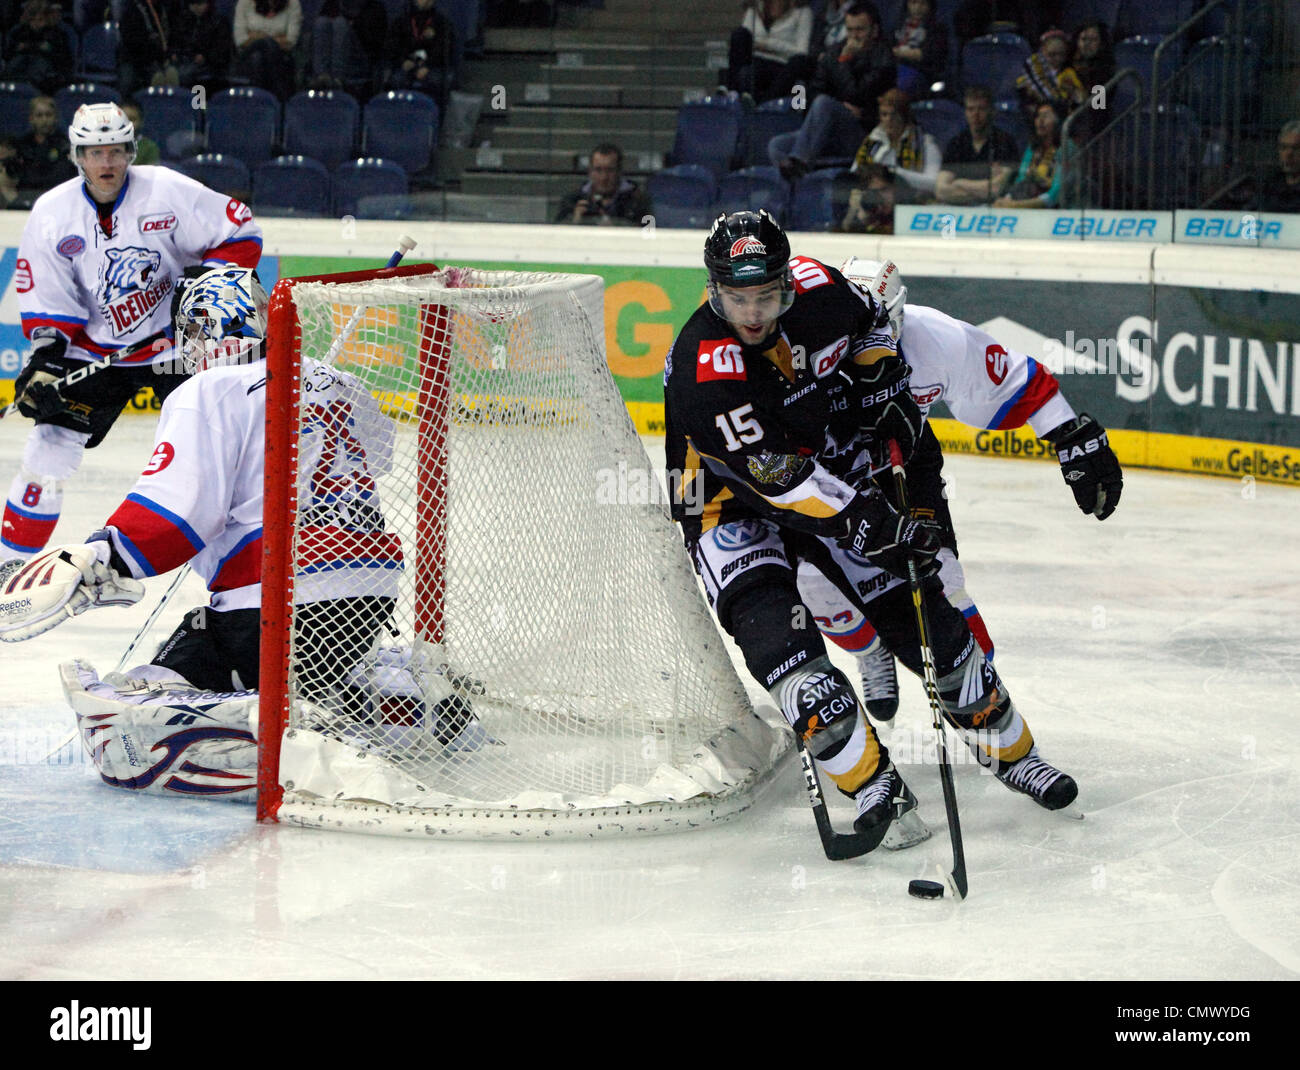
pixel 1044 783
pixel 887 806
pixel 879 681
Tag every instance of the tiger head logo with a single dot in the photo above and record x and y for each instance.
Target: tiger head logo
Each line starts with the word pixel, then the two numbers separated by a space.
pixel 126 271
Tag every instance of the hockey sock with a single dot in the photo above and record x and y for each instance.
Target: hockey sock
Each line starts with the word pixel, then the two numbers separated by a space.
pixel 31 511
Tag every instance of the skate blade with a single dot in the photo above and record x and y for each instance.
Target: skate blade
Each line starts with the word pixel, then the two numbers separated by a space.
pixel 906 831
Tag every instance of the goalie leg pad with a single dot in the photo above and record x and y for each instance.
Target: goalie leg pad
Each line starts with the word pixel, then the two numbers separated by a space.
pixel 162 736
pixel 41 593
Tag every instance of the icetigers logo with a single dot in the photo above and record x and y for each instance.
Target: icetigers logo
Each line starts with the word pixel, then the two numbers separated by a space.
pixel 130 287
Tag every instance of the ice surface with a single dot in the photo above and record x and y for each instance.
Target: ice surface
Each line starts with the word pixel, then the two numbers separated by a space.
pixel 1154 655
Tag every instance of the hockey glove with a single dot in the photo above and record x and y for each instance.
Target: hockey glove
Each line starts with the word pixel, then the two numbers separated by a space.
pixel 35 389
pixel 887 409
pixel 886 538
pixel 1089 465
pixel 39 594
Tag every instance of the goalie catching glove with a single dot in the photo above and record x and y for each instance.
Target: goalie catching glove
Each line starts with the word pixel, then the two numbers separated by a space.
pixel 1089 465
pixel 886 538
pixel 40 594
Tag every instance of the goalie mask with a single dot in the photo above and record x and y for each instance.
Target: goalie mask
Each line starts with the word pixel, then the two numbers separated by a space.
pixel 221 319
pixel 747 249
pixel 883 280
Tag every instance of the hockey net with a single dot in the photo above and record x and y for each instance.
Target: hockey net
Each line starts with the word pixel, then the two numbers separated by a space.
pixel 540 662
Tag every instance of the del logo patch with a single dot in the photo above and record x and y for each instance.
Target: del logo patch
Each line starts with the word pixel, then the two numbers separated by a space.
pixel 825 361
pixel 157 224
pixel 71 245
pixel 719 359
pixel 162 457
pixel 926 395
pixel 995 362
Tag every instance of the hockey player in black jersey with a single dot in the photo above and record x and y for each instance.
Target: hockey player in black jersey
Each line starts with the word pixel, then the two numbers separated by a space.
pixel 780 393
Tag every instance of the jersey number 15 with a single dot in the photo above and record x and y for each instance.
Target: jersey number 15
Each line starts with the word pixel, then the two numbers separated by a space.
pixel 738 427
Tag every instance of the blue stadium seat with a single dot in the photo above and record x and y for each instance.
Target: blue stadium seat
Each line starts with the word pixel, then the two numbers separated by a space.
pixel 167 111
pixel 297 184
pixel 14 100
pixel 322 125
pixel 371 188
pixel 1154 16
pixel 98 62
pixel 708 134
pixel 762 124
pixel 225 174
pixel 1219 73
pixel 1076 12
pixel 682 195
pixel 401 127
pixel 1176 148
pixel 1139 52
pixel 71 97
pixel 467 18
pixel 754 188
pixel 815 205
pixel 995 60
pixel 244 122
pixel 941 118
pixel 1009 117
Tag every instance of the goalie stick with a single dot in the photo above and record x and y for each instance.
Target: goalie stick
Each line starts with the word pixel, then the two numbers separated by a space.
pixel 957 878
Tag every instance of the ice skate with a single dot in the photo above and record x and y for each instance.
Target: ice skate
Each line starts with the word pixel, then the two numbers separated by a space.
pixel 886 805
pixel 1044 783
pixel 879 681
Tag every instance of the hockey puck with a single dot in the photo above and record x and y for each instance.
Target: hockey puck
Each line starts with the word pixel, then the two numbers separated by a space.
pixel 925 889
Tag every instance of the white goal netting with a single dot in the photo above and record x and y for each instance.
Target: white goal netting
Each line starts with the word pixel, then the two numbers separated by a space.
pixel 497 629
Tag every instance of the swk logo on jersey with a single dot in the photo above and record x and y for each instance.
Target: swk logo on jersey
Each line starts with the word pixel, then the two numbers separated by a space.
pixel 719 359
pixel 131 287
pixel 995 362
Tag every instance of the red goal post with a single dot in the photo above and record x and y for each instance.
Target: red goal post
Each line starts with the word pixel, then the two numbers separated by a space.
pixel 560 671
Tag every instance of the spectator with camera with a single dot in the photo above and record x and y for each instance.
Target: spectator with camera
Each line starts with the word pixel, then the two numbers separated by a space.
pixel 606 198
pixel 422 51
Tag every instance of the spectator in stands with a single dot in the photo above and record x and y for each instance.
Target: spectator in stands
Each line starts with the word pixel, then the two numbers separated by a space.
pixel 42 156
pixel 606 198
pixel 871 202
pixel 921 49
pixel 1038 184
pixel 1048 78
pixel 1093 56
pixel 422 51
pixel 901 149
pixel 979 161
pixel 1280 190
pixel 265 33
pixel 833 33
pixel 8 179
pixel 142 55
pixel 200 45
pixel 848 82
pixel 146 148
pixel 347 45
pixel 37 50
pixel 769 50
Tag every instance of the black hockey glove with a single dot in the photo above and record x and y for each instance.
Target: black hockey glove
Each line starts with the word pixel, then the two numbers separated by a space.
pixel 887 409
pixel 35 389
pixel 1088 464
pixel 886 538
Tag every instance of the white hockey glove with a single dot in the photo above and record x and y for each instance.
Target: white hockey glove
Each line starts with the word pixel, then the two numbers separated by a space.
pixel 59 583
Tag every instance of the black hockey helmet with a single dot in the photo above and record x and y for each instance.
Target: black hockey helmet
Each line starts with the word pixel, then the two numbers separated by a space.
pixel 747 249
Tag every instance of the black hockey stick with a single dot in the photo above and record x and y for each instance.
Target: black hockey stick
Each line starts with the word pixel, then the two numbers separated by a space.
pixel 957 878
pixel 837 845
pixel 87 370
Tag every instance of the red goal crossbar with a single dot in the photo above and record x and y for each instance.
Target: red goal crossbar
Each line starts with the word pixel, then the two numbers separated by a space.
pixel 280 500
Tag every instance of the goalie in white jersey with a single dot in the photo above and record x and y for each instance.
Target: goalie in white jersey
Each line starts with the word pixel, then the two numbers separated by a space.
pixel 183 723
pixel 984 385
pixel 98 265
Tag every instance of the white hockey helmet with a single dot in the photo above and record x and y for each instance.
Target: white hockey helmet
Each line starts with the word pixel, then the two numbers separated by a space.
pixel 221 319
pixel 883 280
pixel 100 124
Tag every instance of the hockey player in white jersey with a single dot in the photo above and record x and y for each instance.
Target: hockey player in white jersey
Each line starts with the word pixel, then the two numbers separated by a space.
pixel 185 723
pixel 984 385
pixel 99 260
